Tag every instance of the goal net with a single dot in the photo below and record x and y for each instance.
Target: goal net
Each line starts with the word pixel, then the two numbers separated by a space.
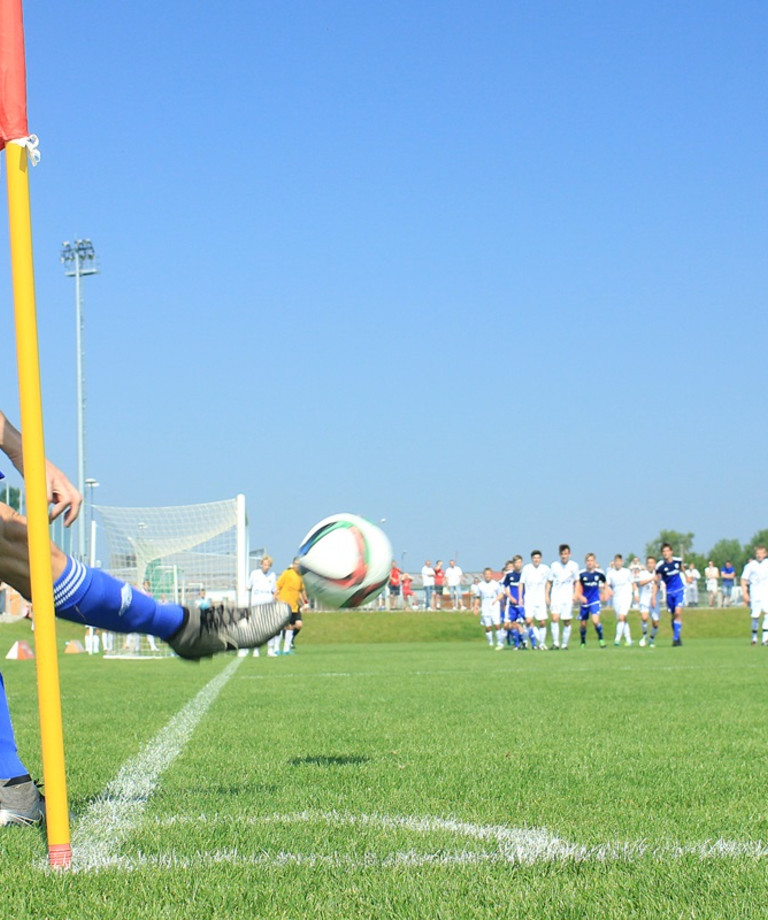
pixel 174 552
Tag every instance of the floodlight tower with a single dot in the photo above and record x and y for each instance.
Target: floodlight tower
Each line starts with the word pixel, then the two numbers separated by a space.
pixel 79 259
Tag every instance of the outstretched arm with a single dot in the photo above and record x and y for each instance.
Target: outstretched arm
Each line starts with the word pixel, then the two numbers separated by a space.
pixel 62 495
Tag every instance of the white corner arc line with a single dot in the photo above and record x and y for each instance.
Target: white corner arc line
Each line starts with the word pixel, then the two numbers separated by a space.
pixel 119 809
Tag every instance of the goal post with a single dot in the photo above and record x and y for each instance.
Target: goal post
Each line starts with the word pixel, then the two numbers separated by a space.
pixel 175 551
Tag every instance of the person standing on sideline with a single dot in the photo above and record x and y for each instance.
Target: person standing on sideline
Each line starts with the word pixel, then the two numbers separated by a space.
pixel 395 578
pixel 290 590
pixel 534 579
pixel 619 581
pixel 261 590
pixel 588 592
pixel 647 604
pixel 428 582
pixel 728 579
pixel 439 585
pixel 489 594
pixel 670 571
pixel 453 576
pixel 754 591
pixel 407 590
pixel 711 574
pixel 563 575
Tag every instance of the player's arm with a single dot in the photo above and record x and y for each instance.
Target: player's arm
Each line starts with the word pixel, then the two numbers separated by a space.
pixel 745 589
pixel 62 495
pixel 547 591
pixel 655 591
pixel 476 605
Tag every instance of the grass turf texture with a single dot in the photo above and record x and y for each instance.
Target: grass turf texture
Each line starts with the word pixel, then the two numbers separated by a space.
pixel 325 784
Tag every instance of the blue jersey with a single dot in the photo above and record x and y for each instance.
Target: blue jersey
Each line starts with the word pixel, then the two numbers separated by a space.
pixel 512 585
pixel 591 583
pixel 672 574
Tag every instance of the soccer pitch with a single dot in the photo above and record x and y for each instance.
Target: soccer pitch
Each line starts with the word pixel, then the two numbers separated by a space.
pixel 408 779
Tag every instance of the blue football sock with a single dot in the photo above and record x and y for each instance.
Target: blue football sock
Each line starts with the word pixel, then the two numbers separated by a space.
pixel 532 637
pixel 599 630
pixel 10 765
pixel 94 598
pixel 583 634
pixel 676 627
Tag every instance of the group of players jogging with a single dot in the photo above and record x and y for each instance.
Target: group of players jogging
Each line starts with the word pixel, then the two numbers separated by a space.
pixel 516 609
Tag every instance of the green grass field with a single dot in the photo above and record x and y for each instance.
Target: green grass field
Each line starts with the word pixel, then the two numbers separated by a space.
pixel 396 767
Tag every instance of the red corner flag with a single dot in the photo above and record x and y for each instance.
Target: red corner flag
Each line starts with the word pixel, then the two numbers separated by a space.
pixel 13 79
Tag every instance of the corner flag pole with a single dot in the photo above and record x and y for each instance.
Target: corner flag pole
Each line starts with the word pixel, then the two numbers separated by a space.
pixel 15 138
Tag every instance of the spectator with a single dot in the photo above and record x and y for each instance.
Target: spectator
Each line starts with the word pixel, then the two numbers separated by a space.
pixel 428 582
pixel 437 597
pixel 711 574
pixel 407 581
pixel 728 576
pixel 692 577
pixel 453 576
pixel 395 579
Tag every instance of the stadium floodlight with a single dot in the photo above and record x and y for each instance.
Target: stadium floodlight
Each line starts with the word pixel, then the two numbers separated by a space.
pixel 79 259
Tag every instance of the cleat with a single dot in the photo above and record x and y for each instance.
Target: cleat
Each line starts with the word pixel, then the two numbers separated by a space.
pixel 616 643
pixel 21 802
pixel 583 645
pixel 564 648
pixel 601 643
pixel 499 648
pixel 676 643
pixel 641 643
pixel 630 643
pixel 227 628
pixel 272 654
pixel 555 647
pixel 651 643
pixel 542 647
pixel 754 640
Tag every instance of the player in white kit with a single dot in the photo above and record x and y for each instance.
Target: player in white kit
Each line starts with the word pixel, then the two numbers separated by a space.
pixel 620 580
pixel 644 582
pixel 563 575
pixel 754 590
pixel 534 580
pixel 487 604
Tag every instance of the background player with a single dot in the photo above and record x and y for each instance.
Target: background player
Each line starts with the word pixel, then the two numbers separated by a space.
pixel 534 579
pixel 670 571
pixel 647 604
pixel 563 575
pixel 489 593
pixel 587 594
pixel 754 589
pixel 619 580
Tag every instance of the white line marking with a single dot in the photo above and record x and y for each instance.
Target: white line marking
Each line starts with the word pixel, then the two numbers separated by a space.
pixel 498 844
pixel 115 814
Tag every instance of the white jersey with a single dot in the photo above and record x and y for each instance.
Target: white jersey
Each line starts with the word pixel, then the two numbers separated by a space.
pixel 534 579
pixel 563 578
pixel 756 576
pixel 644 581
pixel 620 582
pixel 453 576
pixel 262 587
pixel 428 576
pixel 488 592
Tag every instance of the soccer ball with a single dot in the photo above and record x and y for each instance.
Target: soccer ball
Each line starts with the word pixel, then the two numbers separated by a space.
pixel 345 560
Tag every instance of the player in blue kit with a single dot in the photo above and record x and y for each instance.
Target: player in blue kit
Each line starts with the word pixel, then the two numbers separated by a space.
pixel 587 594
pixel 670 571
pixel 520 627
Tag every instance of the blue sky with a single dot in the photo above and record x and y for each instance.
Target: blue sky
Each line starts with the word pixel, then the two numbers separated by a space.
pixel 495 272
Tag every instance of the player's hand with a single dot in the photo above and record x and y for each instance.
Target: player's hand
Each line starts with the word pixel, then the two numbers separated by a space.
pixel 63 497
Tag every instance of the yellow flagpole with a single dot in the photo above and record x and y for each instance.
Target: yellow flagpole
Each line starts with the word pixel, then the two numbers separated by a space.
pixel 49 696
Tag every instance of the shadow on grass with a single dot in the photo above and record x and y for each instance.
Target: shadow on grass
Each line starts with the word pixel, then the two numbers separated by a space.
pixel 332 760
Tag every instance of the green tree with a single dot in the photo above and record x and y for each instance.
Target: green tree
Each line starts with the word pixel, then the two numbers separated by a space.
pixel 759 539
pixel 681 543
pixel 11 497
pixel 727 551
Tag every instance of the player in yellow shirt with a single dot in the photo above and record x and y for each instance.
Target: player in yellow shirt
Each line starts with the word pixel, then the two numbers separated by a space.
pixel 290 589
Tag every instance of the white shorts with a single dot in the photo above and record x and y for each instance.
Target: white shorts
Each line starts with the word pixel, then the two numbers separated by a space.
pixel 712 585
pixel 536 611
pixel 758 606
pixel 562 606
pixel 489 619
pixel 622 605
pixel 646 608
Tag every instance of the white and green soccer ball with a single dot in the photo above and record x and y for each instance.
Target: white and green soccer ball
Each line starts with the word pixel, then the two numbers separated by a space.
pixel 345 561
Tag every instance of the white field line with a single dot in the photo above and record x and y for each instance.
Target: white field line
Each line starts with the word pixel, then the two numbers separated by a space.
pixel 115 814
pixel 494 844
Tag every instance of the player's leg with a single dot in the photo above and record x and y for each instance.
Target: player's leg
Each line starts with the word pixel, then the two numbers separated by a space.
pixel 755 616
pixel 566 629
pixel 554 628
pixel 598 627
pixel 583 617
pixel 20 799
pixel 675 605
